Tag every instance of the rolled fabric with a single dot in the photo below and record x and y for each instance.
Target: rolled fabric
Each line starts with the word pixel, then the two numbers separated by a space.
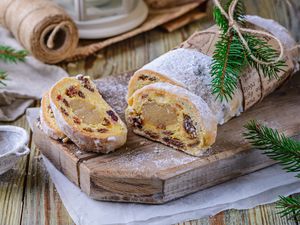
pixel 43 28
pixel 174 116
pixel 188 66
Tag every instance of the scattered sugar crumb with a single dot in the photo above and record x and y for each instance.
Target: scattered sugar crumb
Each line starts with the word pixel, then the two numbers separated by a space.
pixel 78 152
pixel 143 143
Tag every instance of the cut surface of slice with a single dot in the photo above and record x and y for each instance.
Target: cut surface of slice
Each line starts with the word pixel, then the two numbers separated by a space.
pixel 84 116
pixel 190 69
pixel 173 116
pixel 48 122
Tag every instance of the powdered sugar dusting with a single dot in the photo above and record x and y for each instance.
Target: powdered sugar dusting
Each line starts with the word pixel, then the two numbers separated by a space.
pixel 275 28
pixel 191 69
pixel 114 92
pixel 150 161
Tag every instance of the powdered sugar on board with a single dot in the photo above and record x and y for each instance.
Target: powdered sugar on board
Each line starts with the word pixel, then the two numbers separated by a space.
pixel 114 91
pixel 145 158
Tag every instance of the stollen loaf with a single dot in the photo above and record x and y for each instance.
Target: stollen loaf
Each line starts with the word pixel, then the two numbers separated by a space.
pixel 188 66
pixel 172 115
pixel 83 115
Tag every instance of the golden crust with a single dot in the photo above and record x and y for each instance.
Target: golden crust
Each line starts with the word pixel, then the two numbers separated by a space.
pixel 84 116
pixel 189 69
pixel 133 82
pixel 47 119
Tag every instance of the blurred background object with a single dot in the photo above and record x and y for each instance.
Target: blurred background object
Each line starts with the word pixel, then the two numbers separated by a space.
pixel 48 28
pixel 103 18
pixel 158 4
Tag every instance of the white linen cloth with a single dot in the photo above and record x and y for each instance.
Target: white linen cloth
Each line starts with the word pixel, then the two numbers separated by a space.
pixel 26 81
pixel 261 187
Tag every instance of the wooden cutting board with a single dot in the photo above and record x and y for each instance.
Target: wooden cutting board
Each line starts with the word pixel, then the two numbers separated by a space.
pixel 148 172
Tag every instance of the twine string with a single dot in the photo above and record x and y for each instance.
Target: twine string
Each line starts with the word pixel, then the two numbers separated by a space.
pixel 50 41
pixel 240 31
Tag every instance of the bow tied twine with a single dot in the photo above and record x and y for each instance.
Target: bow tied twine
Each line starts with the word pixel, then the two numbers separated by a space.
pixel 239 30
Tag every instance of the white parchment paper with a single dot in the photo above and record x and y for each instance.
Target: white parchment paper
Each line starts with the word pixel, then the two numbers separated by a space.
pixel 261 187
pixel 248 191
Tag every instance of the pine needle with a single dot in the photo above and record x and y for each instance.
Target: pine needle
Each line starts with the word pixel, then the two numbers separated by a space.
pixel 227 66
pixel 231 57
pixel 8 54
pixel 264 51
pixel 282 149
pixel 3 77
pixel 289 206
pixel 277 146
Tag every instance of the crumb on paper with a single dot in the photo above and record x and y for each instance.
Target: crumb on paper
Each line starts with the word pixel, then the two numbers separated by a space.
pixel 143 143
pixel 78 152
pixel 65 140
pixel 156 150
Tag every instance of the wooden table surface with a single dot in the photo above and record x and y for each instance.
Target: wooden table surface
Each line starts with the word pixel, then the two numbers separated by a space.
pixel 27 194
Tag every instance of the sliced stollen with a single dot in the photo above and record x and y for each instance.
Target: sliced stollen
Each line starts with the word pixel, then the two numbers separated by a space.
pixel 174 116
pixel 190 69
pixel 189 66
pixel 84 116
pixel 48 122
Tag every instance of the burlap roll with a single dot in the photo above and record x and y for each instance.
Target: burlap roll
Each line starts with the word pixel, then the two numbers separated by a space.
pixel 41 27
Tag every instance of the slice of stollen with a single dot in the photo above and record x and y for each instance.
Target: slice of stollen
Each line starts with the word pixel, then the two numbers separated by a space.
pixel 48 122
pixel 84 116
pixel 173 116
pixel 190 69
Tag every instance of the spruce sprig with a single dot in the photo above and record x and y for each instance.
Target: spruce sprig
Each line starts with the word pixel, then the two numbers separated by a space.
pixel 289 206
pixel 277 146
pixel 228 62
pixel 3 77
pixel 10 55
pixel 282 149
pixel 227 65
pixel 264 51
pixel 227 68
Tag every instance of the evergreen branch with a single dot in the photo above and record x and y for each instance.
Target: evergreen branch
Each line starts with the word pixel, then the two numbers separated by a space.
pixel 8 54
pixel 264 52
pixel 277 146
pixel 227 66
pixel 238 15
pixel 228 61
pixel 220 19
pixel 289 206
pixel 3 77
pixel 231 57
pixel 239 12
pixel 282 149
